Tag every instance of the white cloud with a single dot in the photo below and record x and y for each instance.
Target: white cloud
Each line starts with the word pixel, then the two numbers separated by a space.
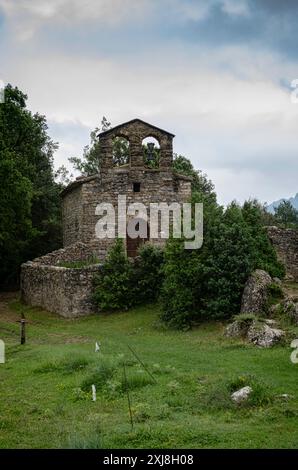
pixel 232 128
pixel 26 17
pixel 226 106
pixel 235 7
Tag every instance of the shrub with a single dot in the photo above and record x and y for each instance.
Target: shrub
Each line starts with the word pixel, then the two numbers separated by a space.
pixel 113 286
pixel 123 283
pixel 103 372
pixel 208 283
pixel 246 318
pixel 148 274
pixel 177 295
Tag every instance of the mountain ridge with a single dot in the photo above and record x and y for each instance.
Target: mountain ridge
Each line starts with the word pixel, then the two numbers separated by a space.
pixel 293 200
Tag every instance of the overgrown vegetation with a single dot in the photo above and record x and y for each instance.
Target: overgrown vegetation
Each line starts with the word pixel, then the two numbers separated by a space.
pixel 80 264
pixel 208 283
pixel 122 283
pixel 286 215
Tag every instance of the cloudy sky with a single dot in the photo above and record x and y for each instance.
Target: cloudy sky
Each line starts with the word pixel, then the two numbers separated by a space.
pixel 217 73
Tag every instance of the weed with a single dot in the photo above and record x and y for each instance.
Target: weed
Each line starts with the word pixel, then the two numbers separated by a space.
pixel 68 365
pixel 103 372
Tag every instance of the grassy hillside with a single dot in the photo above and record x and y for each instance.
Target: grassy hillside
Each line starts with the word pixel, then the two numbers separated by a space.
pixel 45 386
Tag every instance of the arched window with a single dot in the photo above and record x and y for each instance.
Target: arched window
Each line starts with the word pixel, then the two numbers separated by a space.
pixel 121 155
pixel 151 152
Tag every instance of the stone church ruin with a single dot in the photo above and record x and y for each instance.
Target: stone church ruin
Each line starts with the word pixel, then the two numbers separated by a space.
pixel 141 173
pixel 61 281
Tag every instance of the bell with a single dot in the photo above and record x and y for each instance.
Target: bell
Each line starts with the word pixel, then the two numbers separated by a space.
pixel 150 151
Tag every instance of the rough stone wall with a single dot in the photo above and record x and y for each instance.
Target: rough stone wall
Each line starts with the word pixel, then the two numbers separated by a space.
pixel 76 252
pixel 65 291
pixel 156 185
pixel 72 216
pixel 285 242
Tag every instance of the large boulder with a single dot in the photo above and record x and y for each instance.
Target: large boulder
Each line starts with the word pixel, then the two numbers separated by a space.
pixel 255 294
pixel 261 334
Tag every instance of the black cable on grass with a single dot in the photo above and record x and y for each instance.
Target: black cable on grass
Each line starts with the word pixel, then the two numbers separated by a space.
pixel 142 364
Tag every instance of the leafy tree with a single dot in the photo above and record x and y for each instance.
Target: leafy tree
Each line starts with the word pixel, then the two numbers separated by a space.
pixel 120 151
pixel 15 217
pixel 26 153
pixel 91 161
pixel 286 214
pixel 200 182
pixel 208 283
pixel 263 251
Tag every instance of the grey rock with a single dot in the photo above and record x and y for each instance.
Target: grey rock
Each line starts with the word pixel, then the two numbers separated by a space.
pixel 263 335
pixel 255 294
pixel 235 329
pixel 241 395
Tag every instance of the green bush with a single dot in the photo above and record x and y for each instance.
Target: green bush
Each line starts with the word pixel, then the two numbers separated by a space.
pixel 148 274
pixel 114 284
pixel 208 283
pixel 122 284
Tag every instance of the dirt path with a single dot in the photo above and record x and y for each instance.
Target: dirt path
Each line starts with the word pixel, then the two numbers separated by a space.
pixel 6 314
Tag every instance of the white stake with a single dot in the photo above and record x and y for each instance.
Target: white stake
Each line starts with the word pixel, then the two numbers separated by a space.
pixel 93 392
pixel 97 346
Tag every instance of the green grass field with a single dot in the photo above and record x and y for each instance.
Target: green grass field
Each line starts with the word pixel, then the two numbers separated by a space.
pixel 45 385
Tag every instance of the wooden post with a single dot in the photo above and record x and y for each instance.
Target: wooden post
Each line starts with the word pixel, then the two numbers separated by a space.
pixel 23 331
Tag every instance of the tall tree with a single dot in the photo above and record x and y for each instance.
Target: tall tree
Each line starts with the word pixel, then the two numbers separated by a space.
pixel 91 161
pixel 200 182
pixel 30 222
pixel 286 214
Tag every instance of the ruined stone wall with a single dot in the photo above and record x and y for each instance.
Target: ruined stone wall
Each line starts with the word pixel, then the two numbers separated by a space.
pixel 76 252
pixel 285 242
pixel 66 291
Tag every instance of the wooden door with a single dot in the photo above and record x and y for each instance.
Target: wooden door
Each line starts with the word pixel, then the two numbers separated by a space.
pixel 133 244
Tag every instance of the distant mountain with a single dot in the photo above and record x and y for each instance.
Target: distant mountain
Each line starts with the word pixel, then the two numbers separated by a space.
pixel 293 201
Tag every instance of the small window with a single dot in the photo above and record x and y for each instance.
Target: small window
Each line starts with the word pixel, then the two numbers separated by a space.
pixel 136 187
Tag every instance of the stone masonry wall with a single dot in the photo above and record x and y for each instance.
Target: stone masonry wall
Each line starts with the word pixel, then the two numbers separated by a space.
pixel 72 217
pixel 285 242
pixel 66 291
